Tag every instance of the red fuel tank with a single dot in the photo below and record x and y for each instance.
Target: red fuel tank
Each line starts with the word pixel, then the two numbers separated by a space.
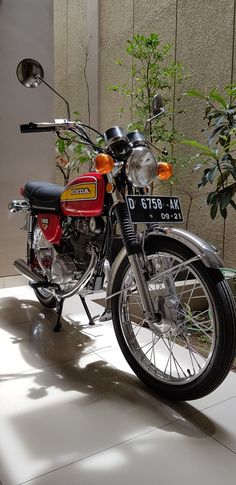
pixel 84 196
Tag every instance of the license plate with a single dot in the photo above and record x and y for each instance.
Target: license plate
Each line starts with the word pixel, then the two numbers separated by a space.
pixel 145 208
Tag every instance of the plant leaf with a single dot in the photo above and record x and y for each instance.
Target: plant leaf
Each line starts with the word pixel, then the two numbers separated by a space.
pixel 214 94
pixel 204 148
pixel 223 212
pixel 214 208
pixel 214 133
pixel 225 197
pixel 212 198
pixel 195 93
pixel 211 174
pixel 221 179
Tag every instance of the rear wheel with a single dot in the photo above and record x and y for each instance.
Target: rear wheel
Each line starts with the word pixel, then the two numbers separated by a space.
pixel 45 297
pixel 189 350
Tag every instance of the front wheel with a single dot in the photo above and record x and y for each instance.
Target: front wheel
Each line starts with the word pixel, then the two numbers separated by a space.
pixel 188 351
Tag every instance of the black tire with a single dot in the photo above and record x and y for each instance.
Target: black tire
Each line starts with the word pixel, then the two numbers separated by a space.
pixel 204 365
pixel 45 298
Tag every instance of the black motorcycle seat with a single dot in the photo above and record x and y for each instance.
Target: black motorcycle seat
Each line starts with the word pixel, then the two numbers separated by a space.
pixel 43 195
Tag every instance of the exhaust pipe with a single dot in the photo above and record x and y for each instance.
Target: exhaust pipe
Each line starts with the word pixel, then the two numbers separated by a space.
pixel 22 268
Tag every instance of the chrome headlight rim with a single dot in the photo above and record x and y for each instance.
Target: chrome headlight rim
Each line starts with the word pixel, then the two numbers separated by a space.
pixel 141 166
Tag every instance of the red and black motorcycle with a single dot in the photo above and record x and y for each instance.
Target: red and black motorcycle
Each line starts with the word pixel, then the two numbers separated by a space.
pixel 172 311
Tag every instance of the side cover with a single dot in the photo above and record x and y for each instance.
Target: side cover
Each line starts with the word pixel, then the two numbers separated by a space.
pixel 50 224
pixel 84 196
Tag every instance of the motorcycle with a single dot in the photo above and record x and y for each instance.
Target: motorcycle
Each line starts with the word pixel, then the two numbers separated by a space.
pixel 173 312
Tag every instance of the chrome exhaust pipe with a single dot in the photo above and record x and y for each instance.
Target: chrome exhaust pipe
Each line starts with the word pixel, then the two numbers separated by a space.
pixel 22 268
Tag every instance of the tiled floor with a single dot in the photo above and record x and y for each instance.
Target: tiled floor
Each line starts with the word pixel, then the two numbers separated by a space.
pixel 73 413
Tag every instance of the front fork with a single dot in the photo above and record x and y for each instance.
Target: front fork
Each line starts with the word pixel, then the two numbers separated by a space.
pixel 135 256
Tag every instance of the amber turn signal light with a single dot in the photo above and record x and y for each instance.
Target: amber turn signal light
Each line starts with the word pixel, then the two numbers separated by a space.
pixel 109 188
pixel 104 163
pixel 164 170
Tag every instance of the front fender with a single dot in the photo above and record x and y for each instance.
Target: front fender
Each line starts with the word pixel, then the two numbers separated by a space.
pixel 208 254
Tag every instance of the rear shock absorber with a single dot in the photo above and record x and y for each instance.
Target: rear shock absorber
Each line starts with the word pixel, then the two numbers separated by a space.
pixel 30 223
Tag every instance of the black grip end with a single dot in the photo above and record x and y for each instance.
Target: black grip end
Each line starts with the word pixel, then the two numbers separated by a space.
pixel 34 128
pixel 28 128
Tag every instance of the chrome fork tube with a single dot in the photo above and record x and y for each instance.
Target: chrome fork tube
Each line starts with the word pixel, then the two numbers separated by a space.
pixel 142 286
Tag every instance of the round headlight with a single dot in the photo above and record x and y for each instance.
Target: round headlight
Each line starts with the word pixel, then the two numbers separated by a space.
pixel 141 167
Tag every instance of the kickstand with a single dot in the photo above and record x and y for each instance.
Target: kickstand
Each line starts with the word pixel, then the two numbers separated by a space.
pixel 59 308
pixel 91 319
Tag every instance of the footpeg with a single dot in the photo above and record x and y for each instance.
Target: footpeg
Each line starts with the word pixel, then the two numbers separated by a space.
pixel 106 315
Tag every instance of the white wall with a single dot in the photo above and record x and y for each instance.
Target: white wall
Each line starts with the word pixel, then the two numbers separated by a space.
pixel 26 30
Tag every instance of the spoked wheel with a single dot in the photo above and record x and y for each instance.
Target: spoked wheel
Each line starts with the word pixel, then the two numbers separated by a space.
pixel 188 351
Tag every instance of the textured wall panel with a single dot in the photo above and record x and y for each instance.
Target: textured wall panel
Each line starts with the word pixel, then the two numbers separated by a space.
pixel 70 29
pixel 156 16
pixel 204 46
pixel 116 26
pixel 26 30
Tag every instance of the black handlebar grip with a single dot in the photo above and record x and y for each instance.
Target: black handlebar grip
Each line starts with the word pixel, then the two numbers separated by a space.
pixel 33 128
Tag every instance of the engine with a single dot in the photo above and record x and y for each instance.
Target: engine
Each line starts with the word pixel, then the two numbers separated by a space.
pixel 66 263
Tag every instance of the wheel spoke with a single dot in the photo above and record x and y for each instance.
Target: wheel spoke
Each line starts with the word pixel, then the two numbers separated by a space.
pixel 177 365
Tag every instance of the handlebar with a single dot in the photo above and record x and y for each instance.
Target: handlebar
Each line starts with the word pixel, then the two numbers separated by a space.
pixel 46 127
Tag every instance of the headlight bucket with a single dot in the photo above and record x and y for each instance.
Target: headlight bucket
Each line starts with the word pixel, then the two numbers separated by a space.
pixel 141 166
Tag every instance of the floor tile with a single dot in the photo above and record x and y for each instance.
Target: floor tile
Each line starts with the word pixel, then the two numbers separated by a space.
pixel 115 358
pixel 222 419
pixel 15 310
pixel 4 292
pixel 72 411
pixel 21 290
pixel 101 337
pixel 225 391
pixel 178 453
pixel 34 344
pixel 56 415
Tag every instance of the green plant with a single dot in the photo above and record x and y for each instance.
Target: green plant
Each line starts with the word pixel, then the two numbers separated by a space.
pixel 150 72
pixel 218 155
pixel 71 155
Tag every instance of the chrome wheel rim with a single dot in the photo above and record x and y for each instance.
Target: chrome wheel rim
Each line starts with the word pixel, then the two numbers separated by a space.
pixel 178 348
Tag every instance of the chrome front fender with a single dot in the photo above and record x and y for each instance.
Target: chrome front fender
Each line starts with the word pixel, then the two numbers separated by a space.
pixel 207 253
